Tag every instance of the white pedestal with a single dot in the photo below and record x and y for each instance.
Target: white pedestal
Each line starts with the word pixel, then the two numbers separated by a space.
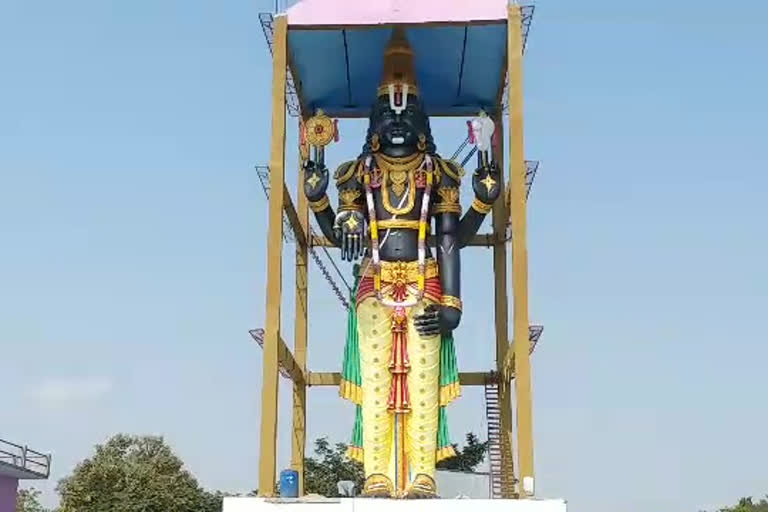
pixel 380 505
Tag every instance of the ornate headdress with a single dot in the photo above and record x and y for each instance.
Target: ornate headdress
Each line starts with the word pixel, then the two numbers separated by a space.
pixel 399 77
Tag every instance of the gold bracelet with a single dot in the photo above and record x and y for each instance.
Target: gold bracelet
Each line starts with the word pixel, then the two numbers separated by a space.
pixel 351 208
pixel 481 207
pixel 450 301
pixel 319 205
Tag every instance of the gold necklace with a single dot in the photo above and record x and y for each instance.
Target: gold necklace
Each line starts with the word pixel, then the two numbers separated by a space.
pixel 399 170
pixel 399 161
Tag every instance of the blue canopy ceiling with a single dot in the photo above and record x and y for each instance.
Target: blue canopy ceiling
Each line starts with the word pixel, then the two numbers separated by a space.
pixel 459 68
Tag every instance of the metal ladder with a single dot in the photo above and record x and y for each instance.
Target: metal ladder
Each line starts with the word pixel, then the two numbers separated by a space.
pixel 502 476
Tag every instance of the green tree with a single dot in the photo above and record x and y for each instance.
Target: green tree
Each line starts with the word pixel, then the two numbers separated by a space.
pixel 468 458
pixel 748 505
pixel 134 474
pixel 329 466
pixel 28 500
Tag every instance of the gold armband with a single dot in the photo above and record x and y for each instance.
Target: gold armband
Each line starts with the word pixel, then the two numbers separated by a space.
pixel 446 208
pixel 449 200
pixel 348 200
pixel 319 205
pixel 452 302
pixel 481 207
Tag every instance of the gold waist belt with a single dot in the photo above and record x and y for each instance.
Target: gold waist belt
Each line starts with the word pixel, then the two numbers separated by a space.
pixel 399 271
pixel 399 224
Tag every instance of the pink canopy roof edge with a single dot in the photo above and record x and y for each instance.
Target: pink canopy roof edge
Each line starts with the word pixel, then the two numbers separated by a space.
pixel 379 12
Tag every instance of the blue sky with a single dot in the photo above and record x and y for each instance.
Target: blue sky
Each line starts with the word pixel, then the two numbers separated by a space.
pixel 133 243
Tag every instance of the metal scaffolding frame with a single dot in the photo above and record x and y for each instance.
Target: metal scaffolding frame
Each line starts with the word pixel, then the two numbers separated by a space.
pixel 512 358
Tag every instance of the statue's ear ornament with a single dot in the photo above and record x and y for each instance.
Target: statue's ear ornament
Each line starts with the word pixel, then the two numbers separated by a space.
pixel 375 143
pixel 422 145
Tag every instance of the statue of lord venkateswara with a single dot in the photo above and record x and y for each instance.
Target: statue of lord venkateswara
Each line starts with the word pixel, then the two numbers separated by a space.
pixel 399 362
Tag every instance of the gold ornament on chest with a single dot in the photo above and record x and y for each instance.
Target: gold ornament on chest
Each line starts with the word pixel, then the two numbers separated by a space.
pixel 399 176
pixel 398 181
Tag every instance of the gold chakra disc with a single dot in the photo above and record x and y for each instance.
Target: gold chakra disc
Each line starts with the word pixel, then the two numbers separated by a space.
pixel 320 129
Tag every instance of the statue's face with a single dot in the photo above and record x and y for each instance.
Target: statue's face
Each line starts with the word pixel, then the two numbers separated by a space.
pixel 399 133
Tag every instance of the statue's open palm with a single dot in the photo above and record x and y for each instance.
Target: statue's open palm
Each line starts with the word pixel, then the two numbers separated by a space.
pixel 350 229
pixel 485 183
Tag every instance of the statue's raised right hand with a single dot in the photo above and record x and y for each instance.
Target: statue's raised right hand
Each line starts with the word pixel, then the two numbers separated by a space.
pixel 315 180
pixel 350 230
pixel 485 182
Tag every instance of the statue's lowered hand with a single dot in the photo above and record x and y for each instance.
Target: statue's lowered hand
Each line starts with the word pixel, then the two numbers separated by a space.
pixel 350 229
pixel 315 180
pixel 436 320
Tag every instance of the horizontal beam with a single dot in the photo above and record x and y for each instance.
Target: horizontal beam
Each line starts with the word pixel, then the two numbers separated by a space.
pixel 485 240
pixel 293 218
pixel 475 378
pixel 334 378
pixel 324 378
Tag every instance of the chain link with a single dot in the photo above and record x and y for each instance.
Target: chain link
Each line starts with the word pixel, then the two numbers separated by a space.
pixel 329 278
pixel 289 236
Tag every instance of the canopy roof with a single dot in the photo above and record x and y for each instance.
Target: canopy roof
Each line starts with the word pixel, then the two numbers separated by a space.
pixel 346 13
pixel 337 46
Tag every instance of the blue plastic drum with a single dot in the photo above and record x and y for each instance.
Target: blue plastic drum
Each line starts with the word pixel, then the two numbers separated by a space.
pixel 289 483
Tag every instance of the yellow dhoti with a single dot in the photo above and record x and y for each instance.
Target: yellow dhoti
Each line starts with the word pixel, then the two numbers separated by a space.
pixel 398 442
pixel 403 378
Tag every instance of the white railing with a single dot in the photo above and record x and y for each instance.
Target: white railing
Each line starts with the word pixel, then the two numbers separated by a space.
pixel 25 459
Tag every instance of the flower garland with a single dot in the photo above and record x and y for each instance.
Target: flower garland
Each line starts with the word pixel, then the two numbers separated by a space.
pixel 422 243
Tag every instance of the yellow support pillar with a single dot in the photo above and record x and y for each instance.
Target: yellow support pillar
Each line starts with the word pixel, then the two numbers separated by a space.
pixel 299 442
pixel 519 253
pixel 268 458
pixel 501 307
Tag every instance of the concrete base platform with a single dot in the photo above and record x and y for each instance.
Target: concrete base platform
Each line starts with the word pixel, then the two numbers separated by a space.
pixel 379 505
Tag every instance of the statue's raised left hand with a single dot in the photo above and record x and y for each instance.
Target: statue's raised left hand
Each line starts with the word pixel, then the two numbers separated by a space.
pixel 350 229
pixel 485 183
pixel 437 319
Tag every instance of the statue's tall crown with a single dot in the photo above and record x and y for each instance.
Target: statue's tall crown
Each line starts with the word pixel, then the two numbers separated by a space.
pixel 399 71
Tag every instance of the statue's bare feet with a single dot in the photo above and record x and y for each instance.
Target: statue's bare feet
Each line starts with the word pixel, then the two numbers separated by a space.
pixel 423 487
pixel 377 486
